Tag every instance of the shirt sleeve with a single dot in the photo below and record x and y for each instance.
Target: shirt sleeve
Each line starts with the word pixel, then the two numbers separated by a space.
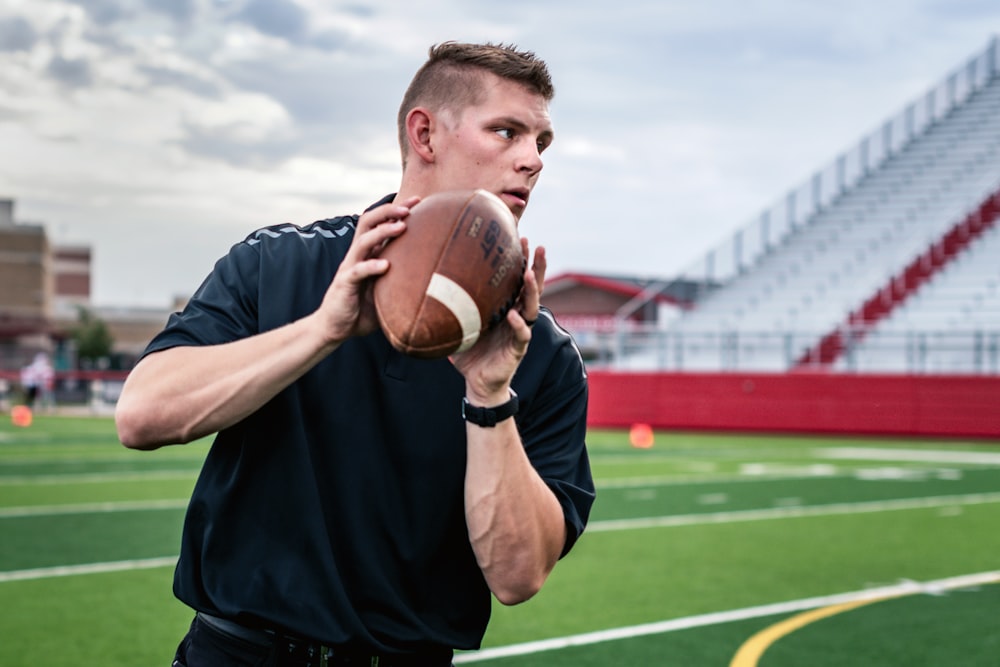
pixel 223 309
pixel 553 429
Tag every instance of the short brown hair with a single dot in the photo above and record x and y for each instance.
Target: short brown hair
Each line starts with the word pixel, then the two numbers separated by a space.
pixel 452 77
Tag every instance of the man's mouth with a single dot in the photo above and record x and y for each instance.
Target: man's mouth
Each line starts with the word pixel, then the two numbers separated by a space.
pixel 515 198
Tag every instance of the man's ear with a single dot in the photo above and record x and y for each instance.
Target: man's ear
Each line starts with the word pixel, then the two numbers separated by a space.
pixel 420 127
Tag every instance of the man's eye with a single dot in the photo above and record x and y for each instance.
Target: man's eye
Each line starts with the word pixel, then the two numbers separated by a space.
pixel 505 132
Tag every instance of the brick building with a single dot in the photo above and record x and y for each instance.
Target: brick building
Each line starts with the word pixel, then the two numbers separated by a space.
pixel 42 287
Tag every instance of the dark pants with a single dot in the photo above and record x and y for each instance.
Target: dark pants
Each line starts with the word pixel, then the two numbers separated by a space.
pixel 208 646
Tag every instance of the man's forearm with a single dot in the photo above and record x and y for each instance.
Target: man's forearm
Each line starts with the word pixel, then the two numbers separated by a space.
pixel 184 393
pixel 515 522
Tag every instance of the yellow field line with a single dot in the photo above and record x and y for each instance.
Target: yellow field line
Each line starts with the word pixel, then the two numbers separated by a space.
pixel 857 598
pixel 753 648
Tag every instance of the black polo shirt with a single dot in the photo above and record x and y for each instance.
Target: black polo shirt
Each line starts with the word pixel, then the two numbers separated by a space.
pixel 336 511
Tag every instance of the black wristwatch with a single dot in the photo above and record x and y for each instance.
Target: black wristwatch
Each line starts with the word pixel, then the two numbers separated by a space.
pixel 489 417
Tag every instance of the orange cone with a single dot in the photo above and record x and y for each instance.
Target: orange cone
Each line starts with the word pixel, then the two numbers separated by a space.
pixel 20 415
pixel 641 436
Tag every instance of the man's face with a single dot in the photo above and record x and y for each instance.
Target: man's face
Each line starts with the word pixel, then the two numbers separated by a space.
pixel 497 144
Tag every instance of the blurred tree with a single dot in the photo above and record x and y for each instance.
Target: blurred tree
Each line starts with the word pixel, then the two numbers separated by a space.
pixel 92 337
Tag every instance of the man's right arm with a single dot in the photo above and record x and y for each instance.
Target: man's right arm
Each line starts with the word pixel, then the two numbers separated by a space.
pixel 183 393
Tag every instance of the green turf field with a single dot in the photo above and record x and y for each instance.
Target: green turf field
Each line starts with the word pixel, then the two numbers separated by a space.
pixel 702 550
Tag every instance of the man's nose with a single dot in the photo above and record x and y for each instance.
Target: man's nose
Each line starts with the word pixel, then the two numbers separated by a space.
pixel 530 160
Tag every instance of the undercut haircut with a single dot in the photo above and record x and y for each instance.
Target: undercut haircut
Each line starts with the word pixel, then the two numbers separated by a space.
pixel 453 78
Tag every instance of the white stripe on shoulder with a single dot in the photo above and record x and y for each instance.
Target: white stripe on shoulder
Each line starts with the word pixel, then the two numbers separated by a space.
pixel 344 227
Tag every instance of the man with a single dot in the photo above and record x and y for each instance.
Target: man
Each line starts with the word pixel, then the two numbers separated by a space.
pixel 347 513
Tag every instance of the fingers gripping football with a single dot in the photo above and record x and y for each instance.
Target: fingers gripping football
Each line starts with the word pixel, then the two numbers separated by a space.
pixel 452 276
pixel 348 305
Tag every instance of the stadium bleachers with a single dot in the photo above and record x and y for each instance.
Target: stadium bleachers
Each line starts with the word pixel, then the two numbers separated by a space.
pixel 951 325
pixel 778 307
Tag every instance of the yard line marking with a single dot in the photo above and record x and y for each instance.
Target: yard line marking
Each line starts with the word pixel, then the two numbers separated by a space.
pixel 92 508
pixel 669 521
pixel 781 469
pixel 735 478
pixel 98 478
pixel 752 649
pixel 749 653
pixel 912 455
pixel 675 520
pixel 89 568
pixel 773 474
pixel 716 618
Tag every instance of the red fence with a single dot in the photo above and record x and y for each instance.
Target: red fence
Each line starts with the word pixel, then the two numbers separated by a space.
pixel 920 405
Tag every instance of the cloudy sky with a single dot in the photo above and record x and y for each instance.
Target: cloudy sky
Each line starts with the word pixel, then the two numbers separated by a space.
pixel 160 132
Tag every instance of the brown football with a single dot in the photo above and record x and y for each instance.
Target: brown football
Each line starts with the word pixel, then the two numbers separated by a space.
pixel 454 273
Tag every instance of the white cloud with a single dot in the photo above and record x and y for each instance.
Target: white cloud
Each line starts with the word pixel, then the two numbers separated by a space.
pixel 676 122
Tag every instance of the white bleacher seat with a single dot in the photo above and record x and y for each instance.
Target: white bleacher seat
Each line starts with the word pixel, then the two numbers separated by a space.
pixel 809 282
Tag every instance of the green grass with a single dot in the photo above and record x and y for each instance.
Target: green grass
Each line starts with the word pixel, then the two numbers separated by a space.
pixel 649 575
pixel 116 619
pixel 882 634
pixel 732 540
pixel 151 486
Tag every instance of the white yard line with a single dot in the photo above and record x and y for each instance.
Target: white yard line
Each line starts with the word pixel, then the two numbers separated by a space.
pixel 92 508
pixel 755 472
pixel 903 588
pixel 97 478
pixel 88 568
pixel 792 512
pixel 784 512
pixel 593 527
pixel 909 455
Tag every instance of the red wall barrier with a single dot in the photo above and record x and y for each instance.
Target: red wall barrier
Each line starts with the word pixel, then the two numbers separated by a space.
pixel 921 405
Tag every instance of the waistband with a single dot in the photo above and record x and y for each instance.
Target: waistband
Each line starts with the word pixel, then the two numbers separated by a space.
pixel 262 638
pixel 324 655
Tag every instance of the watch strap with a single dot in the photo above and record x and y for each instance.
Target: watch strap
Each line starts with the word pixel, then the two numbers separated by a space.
pixel 489 417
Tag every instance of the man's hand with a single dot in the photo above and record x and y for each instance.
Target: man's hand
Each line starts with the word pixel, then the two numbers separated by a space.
pixel 516 526
pixel 490 364
pixel 348 308
pixel 186 392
